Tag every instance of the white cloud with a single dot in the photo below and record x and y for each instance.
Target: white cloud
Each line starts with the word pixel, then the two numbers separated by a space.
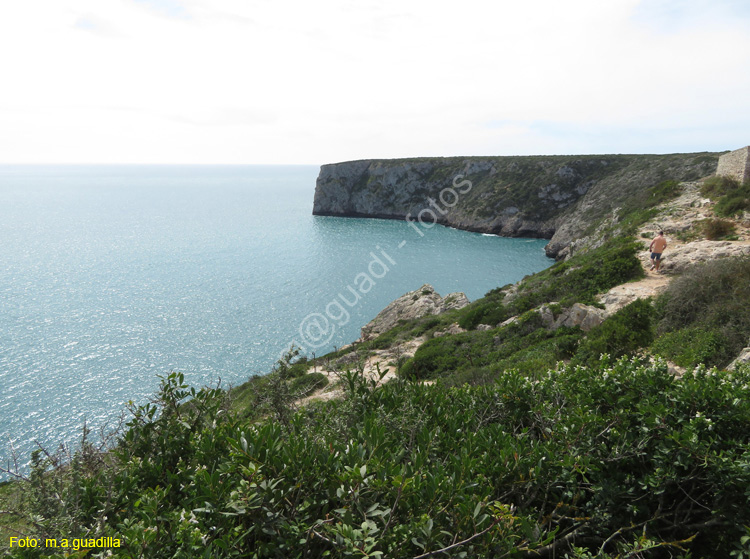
pixel 234 81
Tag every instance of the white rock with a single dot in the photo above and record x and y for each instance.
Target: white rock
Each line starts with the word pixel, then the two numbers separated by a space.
pixel 743 357
pixel 450 331
pixel 585 316
pixel 415 304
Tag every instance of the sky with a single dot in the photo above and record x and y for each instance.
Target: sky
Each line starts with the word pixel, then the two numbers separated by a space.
pixel 303 82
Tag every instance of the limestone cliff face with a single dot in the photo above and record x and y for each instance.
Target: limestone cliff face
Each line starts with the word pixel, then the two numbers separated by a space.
pixel 552 197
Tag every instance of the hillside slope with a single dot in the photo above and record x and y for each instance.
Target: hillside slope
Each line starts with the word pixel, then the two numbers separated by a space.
pixel 551 197
pixel 542 420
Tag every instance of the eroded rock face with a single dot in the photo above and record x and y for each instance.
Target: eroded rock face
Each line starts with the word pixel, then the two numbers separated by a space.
pixel 676 260
pixel 624 294
pixel 743 357
pixel 415 304
pixel 452 330
pixel 585 316
pixel 552 197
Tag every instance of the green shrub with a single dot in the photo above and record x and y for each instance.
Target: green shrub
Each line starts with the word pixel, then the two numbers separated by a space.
pixel 719 185
pixel 731 197
pixel 710 301
pixel 582 277
pixel 525 345
pixel 424 325
pixel 663 191
pixel 689 347
pixel 436 356
pixel 717 228
pixel 541 356
pixel 304 385
pixel 628 459
pixel 734 203
pixel 473 376
pixel 490 312
pixel 626 331
pixel 299 368
pixel 408 329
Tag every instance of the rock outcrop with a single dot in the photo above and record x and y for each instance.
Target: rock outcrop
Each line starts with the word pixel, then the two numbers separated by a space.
pixel 677 259
pixel 552 197
pixel 624 294
pixel 743 357
pixel 585 316
pixel 415 304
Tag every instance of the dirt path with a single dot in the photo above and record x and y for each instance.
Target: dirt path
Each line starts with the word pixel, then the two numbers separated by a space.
pixel 650 286
pixel 677 218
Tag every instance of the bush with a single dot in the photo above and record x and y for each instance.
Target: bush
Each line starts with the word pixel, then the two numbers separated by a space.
pixel 490 312
pixel 622 455
pixel 304 385
pixel 542 356
pixel 436 356
pixel 689 347
pixel 709 301
pixel 715 229
pixel 582 277
pixel 299 368
pixel 626 331
pixel 733 204
pixel 719 185
pixel 525 345
pixel 663 191
pixel 731 197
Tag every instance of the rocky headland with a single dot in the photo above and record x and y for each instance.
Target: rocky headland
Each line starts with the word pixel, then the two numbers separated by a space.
pixel 681 217
pixel 550 197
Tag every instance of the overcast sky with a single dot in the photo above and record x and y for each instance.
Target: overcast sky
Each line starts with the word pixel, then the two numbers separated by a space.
pixel 263 81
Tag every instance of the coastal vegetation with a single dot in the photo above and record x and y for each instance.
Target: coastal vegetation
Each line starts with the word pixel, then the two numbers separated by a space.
pixel 617 459
pixel 704 316
pixel 730 195
pixel 513 436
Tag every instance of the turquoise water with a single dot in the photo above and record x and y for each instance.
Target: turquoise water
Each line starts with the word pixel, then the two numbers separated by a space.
pixel 111 275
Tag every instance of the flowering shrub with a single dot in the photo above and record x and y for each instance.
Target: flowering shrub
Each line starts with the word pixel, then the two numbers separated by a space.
pixel 602 461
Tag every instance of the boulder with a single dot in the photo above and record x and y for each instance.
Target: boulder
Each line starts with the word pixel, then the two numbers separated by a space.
pixel 743 357
pixel 415 304
pixel 585 316
pixel 548 317
pixel 450 331
pixel 511 320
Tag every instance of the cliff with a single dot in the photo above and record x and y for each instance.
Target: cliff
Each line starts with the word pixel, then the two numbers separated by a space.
pixel 551 197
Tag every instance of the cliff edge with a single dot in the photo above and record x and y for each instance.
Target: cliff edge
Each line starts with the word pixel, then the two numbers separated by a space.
pixel 550 197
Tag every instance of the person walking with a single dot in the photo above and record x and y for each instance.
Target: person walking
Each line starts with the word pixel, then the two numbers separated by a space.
pixel 657 248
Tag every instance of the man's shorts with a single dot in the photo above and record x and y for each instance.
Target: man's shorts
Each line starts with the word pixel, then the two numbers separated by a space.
pixel 656 256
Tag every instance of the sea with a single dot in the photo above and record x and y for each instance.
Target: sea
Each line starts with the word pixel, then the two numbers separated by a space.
pixel 111 276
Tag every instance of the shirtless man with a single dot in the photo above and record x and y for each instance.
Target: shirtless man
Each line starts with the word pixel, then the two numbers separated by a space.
pixel 657 247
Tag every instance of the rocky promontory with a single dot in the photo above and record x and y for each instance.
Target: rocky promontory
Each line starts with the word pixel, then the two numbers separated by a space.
pixel 551 197
pixel 414 304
